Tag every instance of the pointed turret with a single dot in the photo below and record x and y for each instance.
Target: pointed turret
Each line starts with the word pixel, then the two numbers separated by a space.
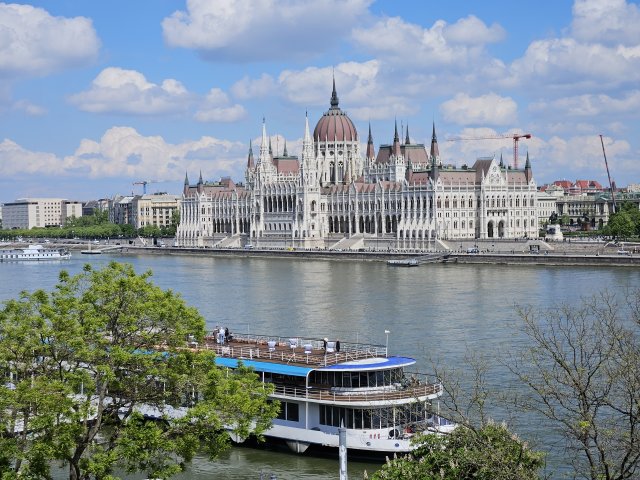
pixel 435 151
pixel 406 140
pixel 334 95
pixel 371 154
pixel 270 149
pixel 284 153
pixel 396 142
pixel 528 174
pixel 250 163
pixel 264 145
pixel 501 161
pixel 307 134
pixel 200 185
pixel 185 189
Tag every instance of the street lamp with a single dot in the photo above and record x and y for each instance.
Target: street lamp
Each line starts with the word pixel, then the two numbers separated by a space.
pixel 386 347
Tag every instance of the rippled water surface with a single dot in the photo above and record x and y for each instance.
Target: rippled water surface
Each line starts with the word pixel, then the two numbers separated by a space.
pixel 437 310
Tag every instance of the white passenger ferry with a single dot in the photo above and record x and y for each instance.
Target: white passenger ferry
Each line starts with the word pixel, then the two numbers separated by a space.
pixel 33 252
pixel 321 384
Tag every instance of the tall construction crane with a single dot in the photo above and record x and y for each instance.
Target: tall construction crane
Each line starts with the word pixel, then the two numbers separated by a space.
pixel 144 184
pixel 515 136
pixel 606 164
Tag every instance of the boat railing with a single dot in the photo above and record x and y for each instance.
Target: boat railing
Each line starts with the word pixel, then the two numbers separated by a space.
pixel 416 391
pixel 296 350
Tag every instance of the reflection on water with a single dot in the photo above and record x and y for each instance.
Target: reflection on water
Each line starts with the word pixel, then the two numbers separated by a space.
pixel 437 310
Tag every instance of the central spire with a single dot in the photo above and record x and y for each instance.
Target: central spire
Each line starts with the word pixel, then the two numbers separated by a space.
pixel 334 95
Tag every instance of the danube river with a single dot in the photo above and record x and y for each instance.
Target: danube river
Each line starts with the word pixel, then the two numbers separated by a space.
pixel 433 311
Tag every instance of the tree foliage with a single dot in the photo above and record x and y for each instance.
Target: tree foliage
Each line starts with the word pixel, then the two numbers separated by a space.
pixel 625 223
pixel 91 361
pixel 582 371
pixel 491 452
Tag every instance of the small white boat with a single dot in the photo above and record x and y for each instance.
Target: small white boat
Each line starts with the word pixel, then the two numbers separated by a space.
pixel 33 253
pixel 403 263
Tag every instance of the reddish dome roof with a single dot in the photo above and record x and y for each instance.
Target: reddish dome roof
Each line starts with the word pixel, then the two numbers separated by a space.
pixel 335 124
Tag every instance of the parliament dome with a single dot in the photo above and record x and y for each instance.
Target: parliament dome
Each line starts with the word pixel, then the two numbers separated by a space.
pixel 335 125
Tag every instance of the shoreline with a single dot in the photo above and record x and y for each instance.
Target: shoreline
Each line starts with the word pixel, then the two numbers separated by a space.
pixel 596 254
pixel 496 258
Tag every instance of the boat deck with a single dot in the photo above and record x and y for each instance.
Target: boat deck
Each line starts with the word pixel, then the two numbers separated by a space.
pixel 292 351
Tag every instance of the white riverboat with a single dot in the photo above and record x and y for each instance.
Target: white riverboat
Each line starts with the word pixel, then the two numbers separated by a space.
pixel 33 253
pixel 320 384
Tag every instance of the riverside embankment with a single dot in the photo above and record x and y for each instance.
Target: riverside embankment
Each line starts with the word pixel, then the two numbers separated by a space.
pixel 576 254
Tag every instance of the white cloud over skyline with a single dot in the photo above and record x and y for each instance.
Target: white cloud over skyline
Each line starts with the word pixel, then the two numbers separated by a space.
pixel 33 42
pixel 236 30
pixel 211 71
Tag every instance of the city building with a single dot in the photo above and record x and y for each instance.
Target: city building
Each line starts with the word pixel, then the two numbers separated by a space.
pixel 92 206
pixel 155 209
pixel 27 213
pixel 547 206
pixel 335 196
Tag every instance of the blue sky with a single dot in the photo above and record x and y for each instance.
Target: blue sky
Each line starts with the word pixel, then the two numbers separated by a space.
pixel 97 95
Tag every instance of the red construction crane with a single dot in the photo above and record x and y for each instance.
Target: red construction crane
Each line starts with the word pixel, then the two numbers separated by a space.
pixel 516 137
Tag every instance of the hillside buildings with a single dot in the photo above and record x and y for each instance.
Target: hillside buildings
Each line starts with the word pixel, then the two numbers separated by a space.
pixel 27 213
pixel 335 196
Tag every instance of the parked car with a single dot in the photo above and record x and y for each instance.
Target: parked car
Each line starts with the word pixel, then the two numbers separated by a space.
pixel 473 250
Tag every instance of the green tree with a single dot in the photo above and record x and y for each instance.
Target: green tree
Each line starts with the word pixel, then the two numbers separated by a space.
pixel 89 358
pixel 620 225
pixel 489 453
pixel 582 370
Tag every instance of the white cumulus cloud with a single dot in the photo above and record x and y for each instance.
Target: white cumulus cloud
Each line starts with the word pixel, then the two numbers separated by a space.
pixel 246 87
pixel 240 30
pixel 33 42
pixel 606 21
pixel 397 41
pixel 489 109
pixel 116 90
pixel 123 153
pixel 590 105
pixel 217 107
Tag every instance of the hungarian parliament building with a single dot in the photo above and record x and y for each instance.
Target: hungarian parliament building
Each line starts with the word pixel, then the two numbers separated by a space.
pixel 334 197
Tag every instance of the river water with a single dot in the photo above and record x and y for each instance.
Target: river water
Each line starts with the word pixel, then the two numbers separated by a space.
pixel 434 311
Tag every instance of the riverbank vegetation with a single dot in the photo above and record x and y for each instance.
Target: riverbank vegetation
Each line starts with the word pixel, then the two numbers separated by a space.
pixel 86 366
pixel 95 226
pixel 577 373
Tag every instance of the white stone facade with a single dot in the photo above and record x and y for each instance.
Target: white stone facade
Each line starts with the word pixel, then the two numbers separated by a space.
pixel 332 195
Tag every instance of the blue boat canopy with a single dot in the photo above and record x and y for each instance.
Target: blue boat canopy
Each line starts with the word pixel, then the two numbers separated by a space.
pixel 268 367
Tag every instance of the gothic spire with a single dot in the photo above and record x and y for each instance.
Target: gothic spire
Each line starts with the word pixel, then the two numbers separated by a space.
pixel 435 151
pixel 307 135
pixel 200 182
pixel 528 175
pixel 406 140
pixel 284 153
pixel 186 179
pixel 396 142
pixel 501 161
pixel 250 163
pixel 334 95
pixel 371 154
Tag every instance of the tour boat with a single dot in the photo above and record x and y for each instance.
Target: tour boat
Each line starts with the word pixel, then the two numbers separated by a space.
pixel 322 383
pixel 33 252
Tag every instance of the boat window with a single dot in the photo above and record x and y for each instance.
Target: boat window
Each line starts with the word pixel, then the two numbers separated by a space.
pixel 289 411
